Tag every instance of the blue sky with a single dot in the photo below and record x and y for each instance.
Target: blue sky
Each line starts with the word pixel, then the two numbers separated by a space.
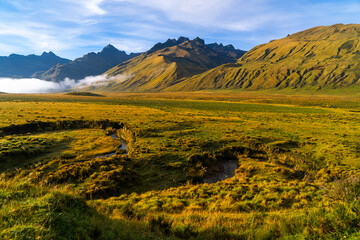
pixel 72 28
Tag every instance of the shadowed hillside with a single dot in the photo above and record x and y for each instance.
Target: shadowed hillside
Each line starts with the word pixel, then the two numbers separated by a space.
pixel 320 57
pixel 91 64
pixel 168 63
pixel 17 66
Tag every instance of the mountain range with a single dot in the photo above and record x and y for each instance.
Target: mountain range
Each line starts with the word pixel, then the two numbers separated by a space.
pixel 317 58
pixel 20 66
pixel 166 64
pixel 91 64
pixel 322 57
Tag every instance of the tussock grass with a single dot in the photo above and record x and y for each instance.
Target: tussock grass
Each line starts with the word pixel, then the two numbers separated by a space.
pixel 295 154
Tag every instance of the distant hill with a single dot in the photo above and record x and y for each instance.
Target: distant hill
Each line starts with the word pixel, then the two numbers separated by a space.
pixel 166 64
pixel 320 57
pixel 86 94
pixel 91 64
pixel 19 66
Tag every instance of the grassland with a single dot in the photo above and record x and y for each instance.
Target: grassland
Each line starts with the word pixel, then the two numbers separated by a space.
pixel 298 174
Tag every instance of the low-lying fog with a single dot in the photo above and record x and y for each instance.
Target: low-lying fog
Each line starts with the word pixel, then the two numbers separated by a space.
pixel 33 85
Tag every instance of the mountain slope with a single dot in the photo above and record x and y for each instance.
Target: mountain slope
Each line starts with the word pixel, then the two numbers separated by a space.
pixel 166 64
pixel 320 57
pixel 91 64
pixel 17 66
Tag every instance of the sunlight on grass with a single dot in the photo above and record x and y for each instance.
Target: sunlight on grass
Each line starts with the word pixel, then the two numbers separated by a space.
pixel 292 154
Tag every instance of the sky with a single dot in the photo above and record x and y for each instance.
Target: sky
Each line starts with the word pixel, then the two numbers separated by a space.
pixel 72 28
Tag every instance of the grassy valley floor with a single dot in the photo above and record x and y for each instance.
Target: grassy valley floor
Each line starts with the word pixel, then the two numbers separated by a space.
pixel 298 158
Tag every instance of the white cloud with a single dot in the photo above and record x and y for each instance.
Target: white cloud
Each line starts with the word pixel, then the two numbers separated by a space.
pixel 38 37
pixel 86 7
pixel 219 14
pixel 93 81
pixel 56 26
pixel 33 85
pixel 203 12
pixel 101 80
pixel 93 6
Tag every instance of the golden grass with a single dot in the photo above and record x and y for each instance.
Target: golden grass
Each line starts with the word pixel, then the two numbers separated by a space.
pixel 289 149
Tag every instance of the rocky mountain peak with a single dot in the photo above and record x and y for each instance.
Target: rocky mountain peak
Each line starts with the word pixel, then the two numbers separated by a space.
pixel 199 41
pixel 110 50
pixel 48 54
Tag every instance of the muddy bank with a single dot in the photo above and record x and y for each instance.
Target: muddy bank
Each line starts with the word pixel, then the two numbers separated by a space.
pixel 58 125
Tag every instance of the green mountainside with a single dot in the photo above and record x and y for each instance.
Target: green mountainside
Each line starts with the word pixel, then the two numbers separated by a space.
pixel 320 57
pixel 167 64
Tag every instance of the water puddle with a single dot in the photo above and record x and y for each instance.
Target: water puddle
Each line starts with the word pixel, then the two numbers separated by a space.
pixel 229 171
pixel 123 147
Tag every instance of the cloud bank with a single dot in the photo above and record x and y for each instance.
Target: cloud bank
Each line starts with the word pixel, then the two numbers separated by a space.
pixel 33 85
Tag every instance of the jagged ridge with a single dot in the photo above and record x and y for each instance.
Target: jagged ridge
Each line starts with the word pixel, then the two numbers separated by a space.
pixel 91 64
pixel 19 66
pixel 167 64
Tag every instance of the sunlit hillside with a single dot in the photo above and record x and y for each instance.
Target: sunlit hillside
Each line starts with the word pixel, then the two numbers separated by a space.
pixel 163 66
pixel 321 57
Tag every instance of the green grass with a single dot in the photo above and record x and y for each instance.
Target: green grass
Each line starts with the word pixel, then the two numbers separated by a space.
pixel 219 106
pixel 30 211
pixel 296 155
pixel 44 147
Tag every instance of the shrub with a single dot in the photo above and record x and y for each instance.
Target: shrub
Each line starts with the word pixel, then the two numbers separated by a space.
pixel 346 190
pixel 161 224
pixel 184 231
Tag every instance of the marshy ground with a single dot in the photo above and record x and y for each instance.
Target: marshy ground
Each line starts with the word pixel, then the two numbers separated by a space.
pixel 294 155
